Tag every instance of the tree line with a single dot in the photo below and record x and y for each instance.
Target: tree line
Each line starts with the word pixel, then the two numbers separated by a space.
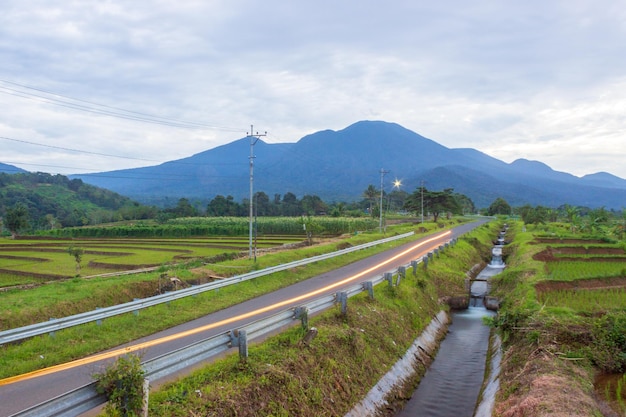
pixel 38 201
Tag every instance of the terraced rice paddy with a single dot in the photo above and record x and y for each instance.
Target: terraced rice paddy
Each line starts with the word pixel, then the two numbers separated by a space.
pixel 587 278
pixel 31 261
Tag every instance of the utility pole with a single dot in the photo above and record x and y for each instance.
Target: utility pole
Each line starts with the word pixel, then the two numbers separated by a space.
pixel 253 140
pixel 382 176
pixel 422 202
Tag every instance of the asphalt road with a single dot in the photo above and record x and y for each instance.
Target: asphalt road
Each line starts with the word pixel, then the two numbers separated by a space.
pixel 22 394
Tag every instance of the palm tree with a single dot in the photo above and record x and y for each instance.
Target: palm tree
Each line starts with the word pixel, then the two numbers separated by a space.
pixel 370 194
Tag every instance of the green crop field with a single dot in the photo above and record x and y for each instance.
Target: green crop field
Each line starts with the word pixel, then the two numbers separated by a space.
pixel 586 301
pixel 573 270
pixel 28 261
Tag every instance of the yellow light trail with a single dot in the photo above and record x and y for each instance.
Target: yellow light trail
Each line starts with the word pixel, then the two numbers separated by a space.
pixel 165 339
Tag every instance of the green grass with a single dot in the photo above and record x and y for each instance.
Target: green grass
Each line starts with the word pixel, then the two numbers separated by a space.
pixel 586 301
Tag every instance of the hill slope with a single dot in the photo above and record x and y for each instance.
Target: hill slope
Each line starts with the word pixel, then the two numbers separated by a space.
pixel 55 200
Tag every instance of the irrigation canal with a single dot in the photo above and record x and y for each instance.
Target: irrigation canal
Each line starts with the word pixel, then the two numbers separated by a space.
pixel 452 384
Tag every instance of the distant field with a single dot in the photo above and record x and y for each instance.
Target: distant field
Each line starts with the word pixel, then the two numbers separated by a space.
pixel 30 261
pixel 583 275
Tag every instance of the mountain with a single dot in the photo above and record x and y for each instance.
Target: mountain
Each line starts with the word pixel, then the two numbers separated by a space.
pixel 10 169
pixel 604 179
pixel 339 165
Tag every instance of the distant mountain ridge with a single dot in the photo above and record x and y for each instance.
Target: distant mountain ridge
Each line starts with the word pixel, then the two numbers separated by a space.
pixel 10 169
pixel 339 165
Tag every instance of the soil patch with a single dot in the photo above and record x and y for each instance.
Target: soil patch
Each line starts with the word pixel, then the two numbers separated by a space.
pixel 602 254
pixel 558 241
pixel 582 250
pixel 581 284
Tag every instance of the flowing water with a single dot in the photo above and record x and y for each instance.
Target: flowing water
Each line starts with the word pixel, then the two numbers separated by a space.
pixel 451 386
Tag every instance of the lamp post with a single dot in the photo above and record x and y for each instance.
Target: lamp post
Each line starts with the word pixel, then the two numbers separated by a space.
pixel 396 185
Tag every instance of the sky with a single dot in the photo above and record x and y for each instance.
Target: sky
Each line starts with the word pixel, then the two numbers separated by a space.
pixel 90 86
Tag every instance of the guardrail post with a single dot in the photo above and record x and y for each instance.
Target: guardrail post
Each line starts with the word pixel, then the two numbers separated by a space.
pixel 401 274
pixel 302 313
pixel 437 252
pixel 52 333
pixel 136 312
pixel 342 298
pixel 146 397
pixel 369 286
pixel 425 261
pixel 238 337
pixel 99 321
pixel 414 266
pixel 389 277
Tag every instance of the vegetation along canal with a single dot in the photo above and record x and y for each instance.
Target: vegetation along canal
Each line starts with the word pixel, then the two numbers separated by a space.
pixel 452 384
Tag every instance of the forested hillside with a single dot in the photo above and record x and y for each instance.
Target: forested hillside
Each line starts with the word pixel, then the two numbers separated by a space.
pixel 53 201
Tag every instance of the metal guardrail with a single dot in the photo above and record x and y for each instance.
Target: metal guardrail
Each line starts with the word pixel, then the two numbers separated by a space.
pixel 13 335
pixel 86 398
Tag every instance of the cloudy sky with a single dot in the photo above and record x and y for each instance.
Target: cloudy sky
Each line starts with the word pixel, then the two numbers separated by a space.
pixel 89 86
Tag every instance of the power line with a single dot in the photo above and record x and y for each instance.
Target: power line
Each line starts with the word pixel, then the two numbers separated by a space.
pixel 104 109
pixel 104 154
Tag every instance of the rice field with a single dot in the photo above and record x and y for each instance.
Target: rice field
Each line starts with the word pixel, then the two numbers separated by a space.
pixel 585 300
pixel 574 270
pixel 30 261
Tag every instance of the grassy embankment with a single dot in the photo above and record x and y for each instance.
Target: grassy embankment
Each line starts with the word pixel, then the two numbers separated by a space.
pixel 21 307
pixel 326 377
pixel 563 324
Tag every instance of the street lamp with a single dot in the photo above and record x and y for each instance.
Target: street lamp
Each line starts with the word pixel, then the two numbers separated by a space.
pixel 396 185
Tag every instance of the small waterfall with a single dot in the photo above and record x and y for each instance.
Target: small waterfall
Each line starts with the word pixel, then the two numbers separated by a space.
pixel 496 257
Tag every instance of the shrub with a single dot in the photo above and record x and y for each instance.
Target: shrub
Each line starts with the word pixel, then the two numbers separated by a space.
pixel 122 383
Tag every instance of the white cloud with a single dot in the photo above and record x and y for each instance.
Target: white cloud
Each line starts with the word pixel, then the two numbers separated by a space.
pixel 538 80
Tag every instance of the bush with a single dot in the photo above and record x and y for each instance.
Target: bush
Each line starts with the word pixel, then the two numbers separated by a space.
pixel 122 383
pixel 609 347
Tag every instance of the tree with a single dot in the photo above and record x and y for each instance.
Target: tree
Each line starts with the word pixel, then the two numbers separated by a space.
pixel 77 253
pixel 17 219
pixel 534 215
pixel 184 209
pixel 370 194
pixel 290 205
pixel 396 199
pixel 261 204
pixel 499 206
pixel 466 203
pixel 217 207
pixel 573 217
pixel 338 210
pixel 435 202
pixel 312 205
